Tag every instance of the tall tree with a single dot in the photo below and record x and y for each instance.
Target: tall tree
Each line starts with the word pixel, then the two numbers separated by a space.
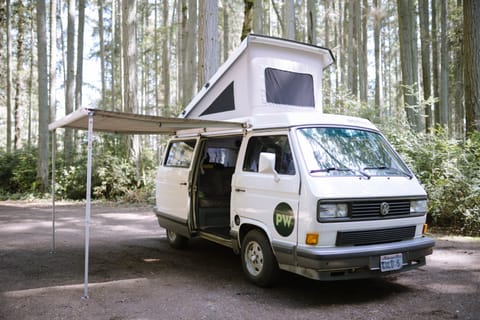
pixel 80 41
pixel 444 108
pixel 377 15
pixel 289 18
pixel 471 52
pixel 9 77
pixel 70 85
pixel 312 21
pixel 53 61
pixel 248 17
pixel 101 36
pixel 191 52
pixel 165 60
pixel 425 53
pixel 43 111
pixel 208 53
pixel 405 16
pixel 17 111
pixel 435 63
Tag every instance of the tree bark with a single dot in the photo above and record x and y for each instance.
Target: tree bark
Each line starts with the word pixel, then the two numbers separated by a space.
pixel 435 64
pixel 165 61
pixel 43 111
pixel 289 19
pixel 248 15
pixel 9 77
pixel 444 108
pixel 471 51
pixel 18 106
pixel 312 22
pixel 70 85
pixel 53 60
pixel 102 51
pixel 208 41
pixel 425 53
pixel 377 27
pixel 80 41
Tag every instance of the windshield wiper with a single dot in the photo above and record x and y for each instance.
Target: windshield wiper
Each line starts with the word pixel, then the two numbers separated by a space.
pixel 389 168
pixel 327 170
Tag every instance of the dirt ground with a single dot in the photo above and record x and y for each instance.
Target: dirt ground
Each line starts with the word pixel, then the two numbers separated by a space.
pixel 134 274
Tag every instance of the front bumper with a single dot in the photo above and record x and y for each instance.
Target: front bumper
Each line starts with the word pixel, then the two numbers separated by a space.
pixel 336 263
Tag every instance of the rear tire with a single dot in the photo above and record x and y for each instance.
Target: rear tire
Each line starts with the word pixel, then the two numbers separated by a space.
pixel 175 240
pixel 258 261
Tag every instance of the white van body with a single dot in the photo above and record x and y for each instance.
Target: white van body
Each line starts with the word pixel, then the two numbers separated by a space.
pixel 323 196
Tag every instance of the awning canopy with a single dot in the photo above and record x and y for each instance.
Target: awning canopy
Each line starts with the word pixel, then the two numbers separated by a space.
pixel 130 123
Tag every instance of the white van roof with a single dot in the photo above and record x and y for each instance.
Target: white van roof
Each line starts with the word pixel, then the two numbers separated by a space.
pixel 263 75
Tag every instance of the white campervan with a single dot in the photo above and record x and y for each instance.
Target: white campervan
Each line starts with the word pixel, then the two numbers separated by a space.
pixel 323 196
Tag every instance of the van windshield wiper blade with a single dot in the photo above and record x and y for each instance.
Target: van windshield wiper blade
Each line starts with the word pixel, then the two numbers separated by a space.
pixel 389 168
pixel 327 170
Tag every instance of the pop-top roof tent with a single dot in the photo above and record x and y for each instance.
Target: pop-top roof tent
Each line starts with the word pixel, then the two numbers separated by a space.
pixel 264 75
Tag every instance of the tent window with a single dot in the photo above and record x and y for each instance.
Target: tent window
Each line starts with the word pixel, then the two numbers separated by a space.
pixel 290 88
pixel 224 102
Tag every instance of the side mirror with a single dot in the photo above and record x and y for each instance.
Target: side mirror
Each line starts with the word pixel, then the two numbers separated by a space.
pixel 266 164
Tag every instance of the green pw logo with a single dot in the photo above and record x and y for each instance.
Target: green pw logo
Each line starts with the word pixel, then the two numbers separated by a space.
pixel 283 219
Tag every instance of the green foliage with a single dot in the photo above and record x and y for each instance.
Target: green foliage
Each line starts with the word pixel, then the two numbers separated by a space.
pixel 18 172
pixel 450 172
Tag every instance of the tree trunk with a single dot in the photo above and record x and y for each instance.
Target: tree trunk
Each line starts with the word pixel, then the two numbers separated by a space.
pixel 43 111
pixel 70 85
pixel 102 51
pixel 208 41
pixel 129 43
pixel 458 94
pixel 312 22
pixel 53 60
pixel 377 27
pixel 113 57
pixel 289 19
pixel 258 26
pixel 165 61
pixel 18 106
pixel 363 54
pixel 435 64
pixel 191 53
pixel 226 30
pixel 425 52
pixel 471 52
pixel 406 57
pixel 80 41
pixel 248 15
pixel 444 109
pixel 9 77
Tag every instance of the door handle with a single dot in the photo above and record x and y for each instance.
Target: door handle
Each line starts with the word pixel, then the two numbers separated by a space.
pixel 183 183
pixel 239 190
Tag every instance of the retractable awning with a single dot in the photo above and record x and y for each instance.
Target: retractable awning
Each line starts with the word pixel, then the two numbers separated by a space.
pixel 91 119
pixel 131 123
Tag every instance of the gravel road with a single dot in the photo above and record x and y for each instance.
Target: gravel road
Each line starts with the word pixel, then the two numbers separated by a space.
pixel 134 274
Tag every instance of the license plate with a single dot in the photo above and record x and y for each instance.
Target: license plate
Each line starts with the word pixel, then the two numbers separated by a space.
pixel 391 262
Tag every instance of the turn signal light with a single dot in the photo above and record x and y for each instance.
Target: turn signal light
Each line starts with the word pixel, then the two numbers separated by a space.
pixel 311 239
pixel 425 228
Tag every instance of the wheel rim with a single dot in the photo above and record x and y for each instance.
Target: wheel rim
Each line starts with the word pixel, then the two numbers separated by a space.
pixel 254 258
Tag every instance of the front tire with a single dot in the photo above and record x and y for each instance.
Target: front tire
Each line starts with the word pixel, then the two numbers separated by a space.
pixel 175 240
pixel 258 261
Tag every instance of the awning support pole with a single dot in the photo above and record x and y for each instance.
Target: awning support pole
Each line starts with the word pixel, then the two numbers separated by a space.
pixel 88 205
pixel 54 147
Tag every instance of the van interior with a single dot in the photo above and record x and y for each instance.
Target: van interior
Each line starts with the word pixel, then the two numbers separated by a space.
pixel 213 181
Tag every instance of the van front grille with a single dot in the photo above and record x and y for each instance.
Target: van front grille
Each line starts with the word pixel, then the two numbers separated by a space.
pixel 365 237
pixel 371 209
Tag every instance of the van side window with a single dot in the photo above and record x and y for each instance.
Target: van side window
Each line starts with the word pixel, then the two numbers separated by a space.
pixel 180 154
pixel 278 145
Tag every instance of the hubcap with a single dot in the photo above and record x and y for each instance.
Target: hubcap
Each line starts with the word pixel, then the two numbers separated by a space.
pixel 254 258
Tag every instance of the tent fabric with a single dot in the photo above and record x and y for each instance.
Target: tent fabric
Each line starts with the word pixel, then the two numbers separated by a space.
pixel 130 123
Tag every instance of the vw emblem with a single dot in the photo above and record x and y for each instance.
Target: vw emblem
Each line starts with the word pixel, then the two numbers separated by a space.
pixel 384 208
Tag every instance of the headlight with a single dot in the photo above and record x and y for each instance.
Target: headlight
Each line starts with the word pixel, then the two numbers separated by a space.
pixel 418 207
pixel 332 210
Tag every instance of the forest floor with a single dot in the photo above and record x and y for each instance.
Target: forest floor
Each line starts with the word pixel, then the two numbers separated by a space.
pixel 134 274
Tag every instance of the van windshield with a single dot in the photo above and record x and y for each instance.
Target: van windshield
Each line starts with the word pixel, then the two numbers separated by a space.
pixel 346 151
